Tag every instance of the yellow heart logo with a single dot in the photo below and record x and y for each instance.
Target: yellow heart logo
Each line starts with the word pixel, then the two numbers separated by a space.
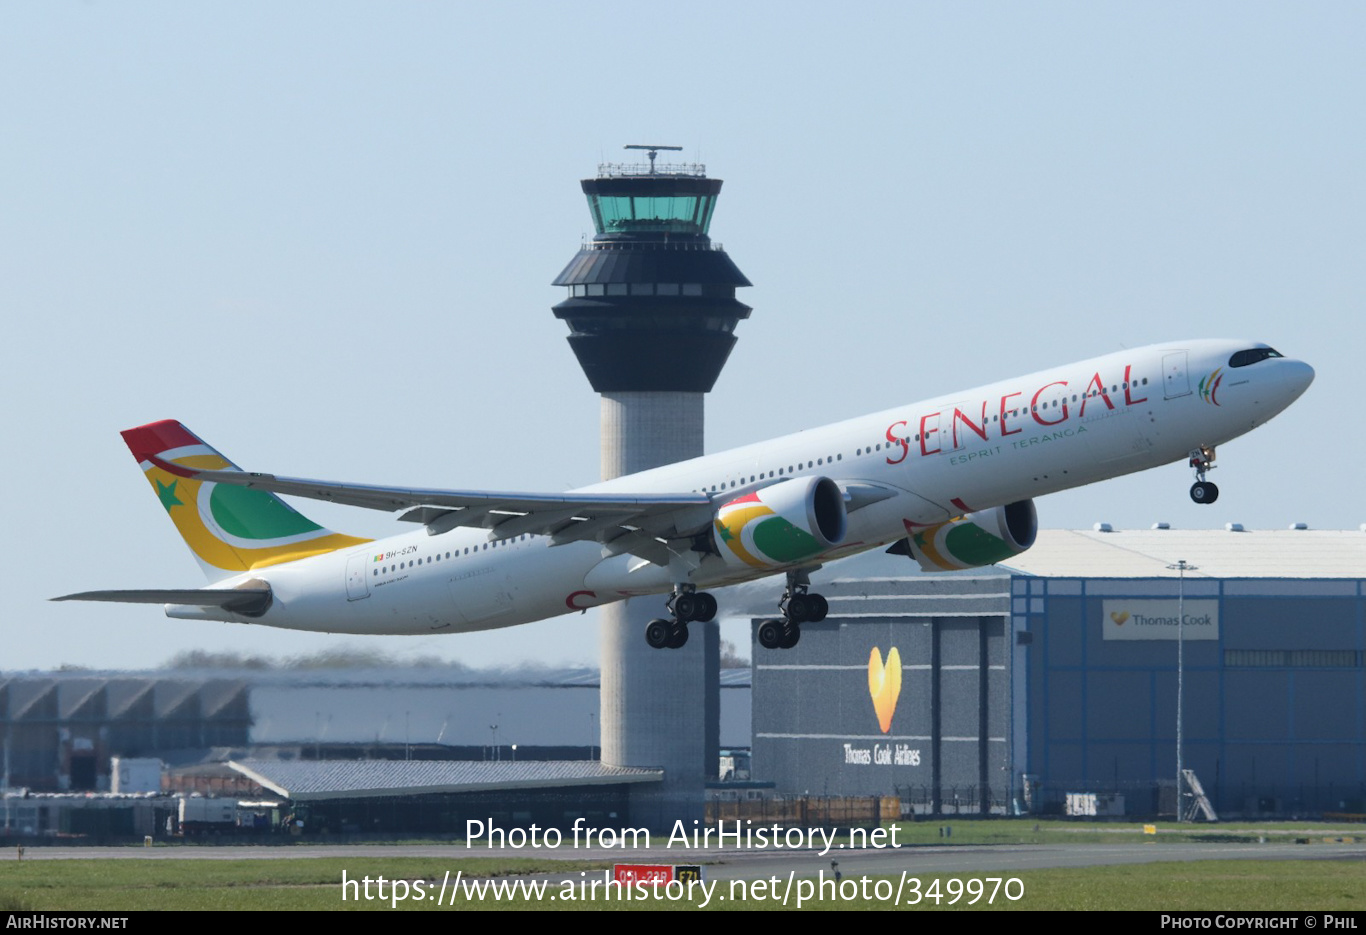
pixel 884 685
pixel 1119 617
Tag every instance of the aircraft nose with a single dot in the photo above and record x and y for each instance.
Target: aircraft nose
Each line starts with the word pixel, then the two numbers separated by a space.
pixel 1298 376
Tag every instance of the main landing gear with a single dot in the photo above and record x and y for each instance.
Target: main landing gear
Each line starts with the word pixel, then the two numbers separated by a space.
pixel 1202 460
pixel 799 605
pixel 686 605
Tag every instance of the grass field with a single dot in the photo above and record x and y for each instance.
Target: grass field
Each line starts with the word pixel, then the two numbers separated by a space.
pixel 315 883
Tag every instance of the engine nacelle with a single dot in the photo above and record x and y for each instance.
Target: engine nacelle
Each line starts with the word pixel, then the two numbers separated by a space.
pixel 782 523
pixel 982 538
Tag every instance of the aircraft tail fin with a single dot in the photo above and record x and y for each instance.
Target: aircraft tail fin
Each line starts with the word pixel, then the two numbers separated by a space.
pixel 229 529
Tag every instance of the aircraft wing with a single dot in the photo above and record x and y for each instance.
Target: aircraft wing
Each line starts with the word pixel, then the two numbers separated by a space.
pixel 635 523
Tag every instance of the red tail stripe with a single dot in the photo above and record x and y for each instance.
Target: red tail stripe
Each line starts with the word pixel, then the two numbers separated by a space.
pixel 156 437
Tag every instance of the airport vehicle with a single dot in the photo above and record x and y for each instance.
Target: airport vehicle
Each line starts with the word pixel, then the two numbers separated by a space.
pixel 949 482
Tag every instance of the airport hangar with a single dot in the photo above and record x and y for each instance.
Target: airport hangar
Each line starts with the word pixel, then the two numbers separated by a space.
pixel 1017 685
pixel 1056 673
pixel 61 730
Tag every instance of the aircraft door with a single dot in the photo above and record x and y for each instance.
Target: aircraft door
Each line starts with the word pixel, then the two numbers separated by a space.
pixel 357 588
pixel 1175 380
pixel 966 426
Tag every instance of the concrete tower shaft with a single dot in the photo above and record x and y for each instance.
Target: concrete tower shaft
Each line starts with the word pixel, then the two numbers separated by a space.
pixel 658 707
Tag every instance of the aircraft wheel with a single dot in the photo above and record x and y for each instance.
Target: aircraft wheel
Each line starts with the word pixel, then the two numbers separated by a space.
pixel 771 634
pixel 819 607
pixel 799 608
pixel 686 607
pixel 791 635
pixel 707 609
pixel 1204 492
pixel 678 636
pixel 657 633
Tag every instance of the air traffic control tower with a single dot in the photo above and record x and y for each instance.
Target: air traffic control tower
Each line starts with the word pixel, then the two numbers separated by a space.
pixel 652 313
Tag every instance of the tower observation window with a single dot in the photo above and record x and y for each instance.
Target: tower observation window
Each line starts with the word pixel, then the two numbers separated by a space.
pixel 675 213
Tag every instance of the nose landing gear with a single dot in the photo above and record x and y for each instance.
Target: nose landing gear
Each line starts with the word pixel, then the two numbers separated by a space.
pixel 1202 460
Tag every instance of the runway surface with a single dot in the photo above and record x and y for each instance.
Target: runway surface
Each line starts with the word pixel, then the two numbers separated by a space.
pixel 738 864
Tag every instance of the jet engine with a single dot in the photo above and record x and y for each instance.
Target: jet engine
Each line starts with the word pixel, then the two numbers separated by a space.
pixel 982 538
pixel 782 523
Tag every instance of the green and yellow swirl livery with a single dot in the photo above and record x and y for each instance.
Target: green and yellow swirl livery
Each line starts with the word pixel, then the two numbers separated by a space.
pixel 782 524
pixel 229 529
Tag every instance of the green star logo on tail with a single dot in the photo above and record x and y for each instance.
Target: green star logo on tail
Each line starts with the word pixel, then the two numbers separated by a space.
pixel 166 494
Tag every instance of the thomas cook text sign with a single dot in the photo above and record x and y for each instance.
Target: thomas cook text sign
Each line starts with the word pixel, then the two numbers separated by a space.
pixel 1157 620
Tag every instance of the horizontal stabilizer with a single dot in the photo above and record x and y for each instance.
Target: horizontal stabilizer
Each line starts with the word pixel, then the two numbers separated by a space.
pixel 250 602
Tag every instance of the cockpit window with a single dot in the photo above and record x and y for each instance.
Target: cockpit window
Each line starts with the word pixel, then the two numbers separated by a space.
pixel 1252 355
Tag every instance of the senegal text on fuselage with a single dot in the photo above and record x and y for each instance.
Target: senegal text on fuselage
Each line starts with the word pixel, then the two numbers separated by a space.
pixel 1045 416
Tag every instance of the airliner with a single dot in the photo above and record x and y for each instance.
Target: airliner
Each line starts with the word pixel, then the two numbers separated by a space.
pixel 949 482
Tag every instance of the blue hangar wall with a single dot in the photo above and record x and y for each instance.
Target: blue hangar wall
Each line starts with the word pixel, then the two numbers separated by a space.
pixel 1275 689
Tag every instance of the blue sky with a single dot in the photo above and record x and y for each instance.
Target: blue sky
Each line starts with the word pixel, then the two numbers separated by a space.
pixel 322 236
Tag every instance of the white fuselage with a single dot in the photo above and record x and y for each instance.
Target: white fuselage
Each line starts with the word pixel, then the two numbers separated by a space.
pixel 967 451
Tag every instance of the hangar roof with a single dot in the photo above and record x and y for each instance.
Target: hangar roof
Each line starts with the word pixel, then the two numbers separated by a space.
pixel 355 779
pixel 1223 553
pixel 217 687
pixel 1121 553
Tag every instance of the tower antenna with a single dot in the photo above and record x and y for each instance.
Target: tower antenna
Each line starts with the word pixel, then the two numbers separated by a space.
pixel 652 150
